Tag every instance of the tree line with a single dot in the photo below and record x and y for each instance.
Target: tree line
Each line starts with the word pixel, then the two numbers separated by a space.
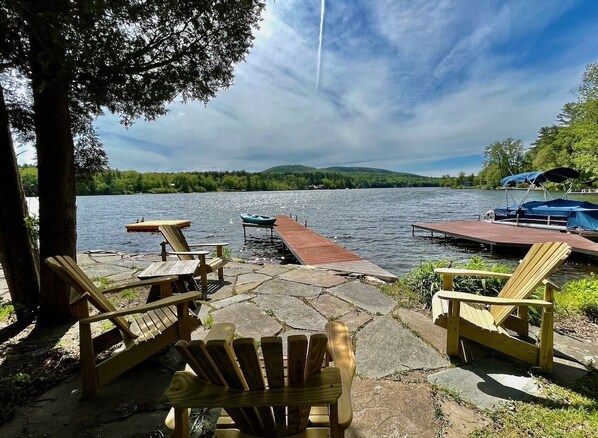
pixel 117 182
pixel 571 142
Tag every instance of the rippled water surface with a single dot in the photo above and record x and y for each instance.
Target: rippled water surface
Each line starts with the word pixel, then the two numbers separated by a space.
pixel 374 223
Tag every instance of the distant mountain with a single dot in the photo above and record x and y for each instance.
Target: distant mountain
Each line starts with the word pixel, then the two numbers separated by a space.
pixel 297 168
pixel 290 168
pixel 341 169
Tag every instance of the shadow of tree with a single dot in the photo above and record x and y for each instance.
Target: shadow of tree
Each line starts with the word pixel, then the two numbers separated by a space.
pixel 34 359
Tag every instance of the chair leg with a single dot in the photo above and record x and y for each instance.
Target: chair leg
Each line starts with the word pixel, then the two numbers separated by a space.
pixel 89 381
pixel 546 341
pixel 181 423
pixel 452 328
pixel 183 321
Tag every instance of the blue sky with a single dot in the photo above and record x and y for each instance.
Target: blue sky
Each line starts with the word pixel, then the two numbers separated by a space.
pixel 412 86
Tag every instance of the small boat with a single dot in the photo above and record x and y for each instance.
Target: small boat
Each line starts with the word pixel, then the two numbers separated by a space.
pixel 560 214
pixel 258 219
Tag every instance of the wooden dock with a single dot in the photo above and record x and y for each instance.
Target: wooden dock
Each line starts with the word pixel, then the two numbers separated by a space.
pixel 312 249
pixel 497 235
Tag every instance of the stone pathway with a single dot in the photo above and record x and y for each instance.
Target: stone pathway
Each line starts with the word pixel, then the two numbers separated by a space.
pixel 391 345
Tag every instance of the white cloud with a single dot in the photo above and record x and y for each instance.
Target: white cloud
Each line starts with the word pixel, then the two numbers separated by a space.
pixel 403 85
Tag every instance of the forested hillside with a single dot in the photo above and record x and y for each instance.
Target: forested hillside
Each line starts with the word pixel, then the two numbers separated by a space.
pixel 116 182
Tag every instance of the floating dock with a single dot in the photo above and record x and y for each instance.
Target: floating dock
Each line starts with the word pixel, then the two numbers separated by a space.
pixel 312 249
pixel 497 235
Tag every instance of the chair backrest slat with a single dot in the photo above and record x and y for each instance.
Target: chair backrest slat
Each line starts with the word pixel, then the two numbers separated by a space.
pixel 238 366
pixel 272 352
pixel 176 239
pixel 295 373
pixel 541 260
pixel 315 359
pixel 224 358
pixel 249 362
pixel 74 276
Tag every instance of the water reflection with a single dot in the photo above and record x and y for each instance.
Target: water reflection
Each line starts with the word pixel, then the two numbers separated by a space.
pixel 374 223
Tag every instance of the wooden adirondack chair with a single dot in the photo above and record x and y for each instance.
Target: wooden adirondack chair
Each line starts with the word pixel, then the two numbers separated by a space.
pixel 176 239
pixel 154 326
pixel 311 401
pixel 486 319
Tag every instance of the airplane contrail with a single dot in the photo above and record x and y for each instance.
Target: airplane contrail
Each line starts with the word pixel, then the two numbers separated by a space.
pixel 320 43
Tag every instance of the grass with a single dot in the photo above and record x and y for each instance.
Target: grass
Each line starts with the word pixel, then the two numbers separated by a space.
pixel 208 321
pixel 6 311
pixel 578 296
pixel 558 412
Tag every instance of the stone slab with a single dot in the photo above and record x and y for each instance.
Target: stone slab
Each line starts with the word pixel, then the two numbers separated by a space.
pixel 244 288
pixel 231 300
pixel 289 288
pixel 314 277
pixel 331 307
pixel 250 320
pixel 424 327
pixel 136 263
pixel 238 269
pixel 225 291
pixel 292 311
pixel 487 384
pixel 251 278
pixel 567 372
pixel 383 409
pixel 356 319
pixel 106 256
pixel 273 270
pixel 130 275
pixel 364 296
pixel 102 270
pixel 384 347
pixel 583 351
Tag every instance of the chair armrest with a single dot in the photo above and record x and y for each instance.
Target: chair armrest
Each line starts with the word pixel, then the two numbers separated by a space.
pixel 187 253
pixel 164 302
pixel 148 282
pixel 340 349
pixel 495 301
pixel 471 273
pixel 548 282
pixel 208 244
pixel 221 331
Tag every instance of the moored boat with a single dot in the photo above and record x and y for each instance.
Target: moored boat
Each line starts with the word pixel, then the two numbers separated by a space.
pixel 560 214
pixel 258 219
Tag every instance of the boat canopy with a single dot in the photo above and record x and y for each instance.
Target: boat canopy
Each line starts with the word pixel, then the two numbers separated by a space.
pixel 557 175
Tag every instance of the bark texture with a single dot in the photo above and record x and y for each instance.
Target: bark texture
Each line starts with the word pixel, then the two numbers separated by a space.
pixel 18 258
pixel 50 77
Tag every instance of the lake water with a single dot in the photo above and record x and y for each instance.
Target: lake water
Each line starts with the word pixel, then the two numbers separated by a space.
pixel 374 223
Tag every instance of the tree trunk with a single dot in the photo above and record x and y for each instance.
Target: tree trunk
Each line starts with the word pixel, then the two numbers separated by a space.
pixel 55 153
pixel 17 256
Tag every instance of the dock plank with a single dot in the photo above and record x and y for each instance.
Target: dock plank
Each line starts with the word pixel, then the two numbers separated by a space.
pixel 310 248
pixel 505 235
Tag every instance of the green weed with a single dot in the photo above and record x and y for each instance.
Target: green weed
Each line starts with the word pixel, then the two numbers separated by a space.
pixel 579 296
pixel 6 311
pixel 422 282
pixel 557 412
pixel 102 282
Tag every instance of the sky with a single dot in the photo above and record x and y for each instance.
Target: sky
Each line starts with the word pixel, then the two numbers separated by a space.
pixel 415 86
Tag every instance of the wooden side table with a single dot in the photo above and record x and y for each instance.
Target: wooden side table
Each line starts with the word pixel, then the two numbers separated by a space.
pixel 184 269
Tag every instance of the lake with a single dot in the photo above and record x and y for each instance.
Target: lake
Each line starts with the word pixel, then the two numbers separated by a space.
pixel 374 223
